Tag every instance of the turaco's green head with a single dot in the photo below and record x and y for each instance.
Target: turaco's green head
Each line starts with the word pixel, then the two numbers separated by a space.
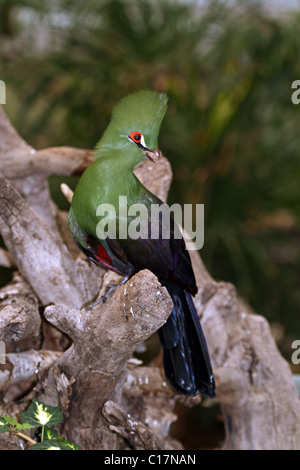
pixel 134 127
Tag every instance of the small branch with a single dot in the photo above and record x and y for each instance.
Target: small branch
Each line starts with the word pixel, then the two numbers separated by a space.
pixel 25 437
pixel 6 260
pixel 67 192
pixel 18 160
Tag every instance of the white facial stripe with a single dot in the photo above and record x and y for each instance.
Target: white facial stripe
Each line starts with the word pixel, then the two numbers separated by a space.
pixel 143 141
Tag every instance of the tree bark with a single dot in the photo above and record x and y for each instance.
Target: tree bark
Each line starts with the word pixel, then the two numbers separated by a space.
pixel 81 359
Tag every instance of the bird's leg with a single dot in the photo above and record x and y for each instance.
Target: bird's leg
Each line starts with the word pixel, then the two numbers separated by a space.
pixel 110 288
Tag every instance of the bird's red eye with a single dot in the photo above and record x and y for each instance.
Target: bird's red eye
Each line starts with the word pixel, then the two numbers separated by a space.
pixel 135 136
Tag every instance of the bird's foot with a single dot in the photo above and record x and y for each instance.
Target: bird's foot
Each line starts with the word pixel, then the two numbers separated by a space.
pixel 109 290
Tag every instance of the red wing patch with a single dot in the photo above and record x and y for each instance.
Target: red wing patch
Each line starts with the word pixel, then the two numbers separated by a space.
pixel 103 254
pixel 104 259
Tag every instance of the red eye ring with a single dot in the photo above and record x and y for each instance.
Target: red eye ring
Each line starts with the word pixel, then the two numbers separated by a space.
pixel 136 137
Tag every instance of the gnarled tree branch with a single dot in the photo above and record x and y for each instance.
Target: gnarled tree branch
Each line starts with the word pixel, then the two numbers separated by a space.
pixel 94 381
pixel 19 311
pixel 94 369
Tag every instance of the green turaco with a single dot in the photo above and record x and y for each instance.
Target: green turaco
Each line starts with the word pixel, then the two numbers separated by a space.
pixel 106 192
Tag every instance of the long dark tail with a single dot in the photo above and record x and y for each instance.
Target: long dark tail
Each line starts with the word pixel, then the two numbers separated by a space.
pixel 185 355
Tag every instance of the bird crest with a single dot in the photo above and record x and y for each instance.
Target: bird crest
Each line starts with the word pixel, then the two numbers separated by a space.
pixel 141 112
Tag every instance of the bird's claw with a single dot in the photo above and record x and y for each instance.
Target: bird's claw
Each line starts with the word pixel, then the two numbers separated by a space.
pixel 109 290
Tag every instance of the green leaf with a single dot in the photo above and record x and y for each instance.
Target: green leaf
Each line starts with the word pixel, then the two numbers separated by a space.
pixel 3 425
pixel 38 414
pixel 12 423
pixel 51 434
pixel 50 444
pixel 9 420
pixel 72 445
pixel 20 426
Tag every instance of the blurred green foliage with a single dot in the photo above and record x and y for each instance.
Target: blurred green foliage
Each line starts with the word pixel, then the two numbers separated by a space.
pixel 231 131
